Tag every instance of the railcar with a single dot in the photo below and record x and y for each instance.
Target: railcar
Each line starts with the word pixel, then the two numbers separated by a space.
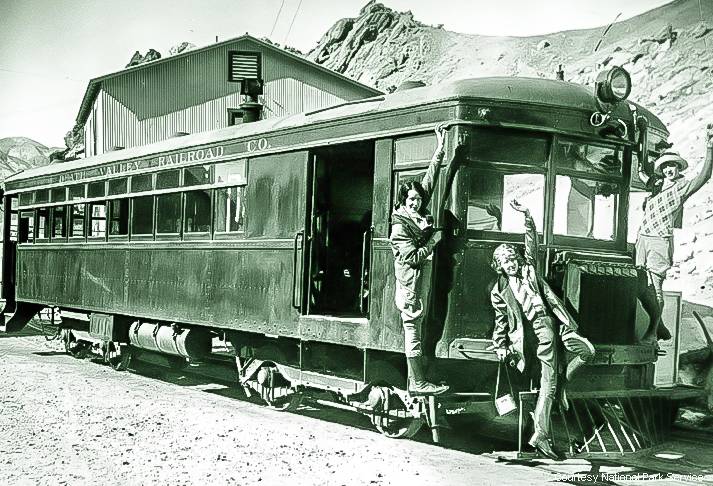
pixel 273 236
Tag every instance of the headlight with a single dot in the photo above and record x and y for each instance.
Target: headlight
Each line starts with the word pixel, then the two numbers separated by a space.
pixel 613 86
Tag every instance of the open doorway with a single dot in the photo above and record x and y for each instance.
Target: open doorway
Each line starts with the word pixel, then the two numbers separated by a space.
pixel 340 229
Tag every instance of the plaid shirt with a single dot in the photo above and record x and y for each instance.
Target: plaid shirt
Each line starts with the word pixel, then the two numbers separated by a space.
pixel 663 209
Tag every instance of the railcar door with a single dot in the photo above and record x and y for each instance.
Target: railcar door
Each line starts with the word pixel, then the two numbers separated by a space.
pixel 338 232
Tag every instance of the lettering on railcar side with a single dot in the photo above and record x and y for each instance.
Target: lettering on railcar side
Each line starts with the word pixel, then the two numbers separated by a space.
pixel 257 145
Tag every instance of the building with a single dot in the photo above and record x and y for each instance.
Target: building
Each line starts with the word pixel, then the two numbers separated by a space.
pixel 200 90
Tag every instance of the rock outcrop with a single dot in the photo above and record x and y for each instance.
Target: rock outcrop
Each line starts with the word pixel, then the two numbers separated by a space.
pixel 20 153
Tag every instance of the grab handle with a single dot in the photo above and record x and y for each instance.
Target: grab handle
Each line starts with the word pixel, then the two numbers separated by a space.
pixel 299 236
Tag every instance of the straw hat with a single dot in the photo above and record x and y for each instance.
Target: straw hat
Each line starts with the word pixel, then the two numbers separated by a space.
pixel 668 157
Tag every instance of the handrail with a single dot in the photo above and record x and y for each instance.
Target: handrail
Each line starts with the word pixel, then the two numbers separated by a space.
pixel 362 276
pixel 298 235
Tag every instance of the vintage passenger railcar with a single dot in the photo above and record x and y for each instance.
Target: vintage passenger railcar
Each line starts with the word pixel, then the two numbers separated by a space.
pixel 274 235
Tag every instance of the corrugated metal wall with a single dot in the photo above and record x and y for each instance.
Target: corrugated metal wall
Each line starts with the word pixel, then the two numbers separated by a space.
pixel 192 94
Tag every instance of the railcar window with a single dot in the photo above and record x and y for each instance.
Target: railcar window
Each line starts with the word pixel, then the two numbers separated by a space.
pixel 197 219
pixel 509 146
pixel 119 217
pixel 59 194
pixel 168 179
pixel 43 223
pixel 199 175
pixel 26 228
pixel 593 159
pixel 42 196
pixel 96 189
pixel 142 216
pixel 27 198
pixel 77 216
pixel 585 208
pixel 117 186
pixel 97 220
pixel 229 209
pixel 168 213
pixel 14 219
pixel 76 192
pixel 489 196
pixel 414 150
pixel 142 183
pixel 233 172
pixel 59 222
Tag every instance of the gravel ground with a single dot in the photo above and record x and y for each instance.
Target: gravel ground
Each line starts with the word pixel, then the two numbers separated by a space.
pixel 69 421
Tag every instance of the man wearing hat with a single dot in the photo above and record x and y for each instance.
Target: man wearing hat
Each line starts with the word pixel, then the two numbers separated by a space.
pixel 654 245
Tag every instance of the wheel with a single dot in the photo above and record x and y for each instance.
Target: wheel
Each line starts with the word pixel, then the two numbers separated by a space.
pixel 116 355
pixel 277 392
pixel 76 349
pixel 384 405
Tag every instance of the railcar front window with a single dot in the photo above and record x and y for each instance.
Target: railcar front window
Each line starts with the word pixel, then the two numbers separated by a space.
pixel 508 146
pixel 592 159
pixel 229 209
pixel 489 196
pixel 77 215
pixel 587 189
pixel 197 212
pixel 168 213
pixel 585 208
pixel 142 216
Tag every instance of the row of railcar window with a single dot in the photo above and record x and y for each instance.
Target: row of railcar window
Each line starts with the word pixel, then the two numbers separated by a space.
pixel 117 209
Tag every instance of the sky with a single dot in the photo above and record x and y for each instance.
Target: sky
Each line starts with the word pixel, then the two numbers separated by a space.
pixel 50 49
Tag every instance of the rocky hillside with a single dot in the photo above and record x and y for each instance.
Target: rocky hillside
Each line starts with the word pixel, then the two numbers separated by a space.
pixel 20 153
pixel 668 51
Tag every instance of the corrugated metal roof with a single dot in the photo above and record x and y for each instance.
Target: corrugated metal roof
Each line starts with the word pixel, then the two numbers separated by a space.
pixel 535 91
pixel 95 84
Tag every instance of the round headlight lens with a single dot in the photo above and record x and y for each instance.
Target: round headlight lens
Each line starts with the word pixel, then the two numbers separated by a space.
pixel 613 86
pixel 620 83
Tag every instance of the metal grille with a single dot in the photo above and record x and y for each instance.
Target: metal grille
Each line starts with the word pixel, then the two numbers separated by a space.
pixel 243 65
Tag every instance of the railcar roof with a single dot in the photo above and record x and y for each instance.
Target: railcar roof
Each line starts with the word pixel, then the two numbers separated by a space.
pixel 557 94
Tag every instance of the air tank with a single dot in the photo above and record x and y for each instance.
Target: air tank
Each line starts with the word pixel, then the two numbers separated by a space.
pixel 194 344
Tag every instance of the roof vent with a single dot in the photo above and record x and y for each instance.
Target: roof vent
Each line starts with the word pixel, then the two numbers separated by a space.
pixel 114 148
pixel 179 134
pixel 410 85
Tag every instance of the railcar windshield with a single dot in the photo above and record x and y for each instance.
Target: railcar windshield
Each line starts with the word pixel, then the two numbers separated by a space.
pixel 587 181
pixel 504 165
pixel 587 190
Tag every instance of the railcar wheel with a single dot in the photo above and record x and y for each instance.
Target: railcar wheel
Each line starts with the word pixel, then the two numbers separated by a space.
pixel 385 404
pixel 116 355
pixel 76 349
pixel 277 392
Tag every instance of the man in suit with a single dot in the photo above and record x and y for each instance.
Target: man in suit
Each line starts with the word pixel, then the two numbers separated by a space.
pixel 525 303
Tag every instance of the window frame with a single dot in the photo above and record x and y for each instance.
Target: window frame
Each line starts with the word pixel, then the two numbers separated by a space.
pixel 142 236
pixel 198 235
pixel 621 179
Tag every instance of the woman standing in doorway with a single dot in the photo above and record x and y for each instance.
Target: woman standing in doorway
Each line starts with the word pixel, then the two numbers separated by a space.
pixel 413 239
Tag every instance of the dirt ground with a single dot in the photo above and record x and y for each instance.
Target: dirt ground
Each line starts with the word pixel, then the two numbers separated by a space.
pixel 75 422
